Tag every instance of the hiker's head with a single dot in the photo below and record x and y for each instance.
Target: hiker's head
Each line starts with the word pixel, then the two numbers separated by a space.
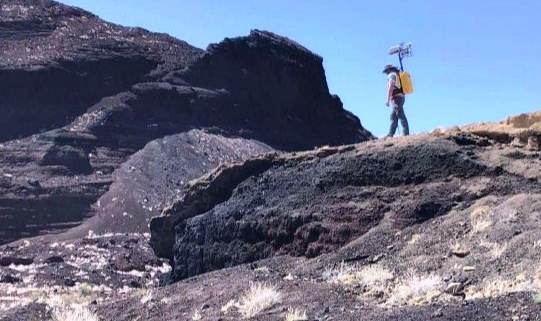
pixel 389 68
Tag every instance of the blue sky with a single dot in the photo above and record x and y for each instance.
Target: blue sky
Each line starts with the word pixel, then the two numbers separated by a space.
pixel 473 61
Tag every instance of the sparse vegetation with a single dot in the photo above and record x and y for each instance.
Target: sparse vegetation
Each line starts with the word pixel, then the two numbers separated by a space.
pixel 481 219
pixel 296 315
pixel 197 316
pixel 458 247
pixel 507 214
pixel 500 286
pixel 495 250
pixel 258 298
pixel 228 306
pixel 343 274
pixel 85 289
pixel 481 225
pixel 416 289
pixel 73 313
pixel 377 281
pixel 146 296
pixel 374 277
pixel 414 239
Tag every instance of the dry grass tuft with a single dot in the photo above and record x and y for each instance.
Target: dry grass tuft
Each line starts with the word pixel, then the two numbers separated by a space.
pixel 73 313
pixel 146 296
pixel 415 238
pixel 343 274
pixel 197 316
pixel 370 276
pixel 495 249
pixel 374 276
pixel 228 306
pixel 417 290
pixel 481 218
pixel 496 287
pixel 258 298
pixel 296 315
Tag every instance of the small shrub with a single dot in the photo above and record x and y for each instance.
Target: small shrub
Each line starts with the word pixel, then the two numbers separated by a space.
pixel 85 289
pixel 421 285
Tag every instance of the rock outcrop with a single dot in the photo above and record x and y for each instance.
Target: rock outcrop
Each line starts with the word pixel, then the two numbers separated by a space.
pixel 441 225
pixel 57 61
pixel 316 202
pixel 80 97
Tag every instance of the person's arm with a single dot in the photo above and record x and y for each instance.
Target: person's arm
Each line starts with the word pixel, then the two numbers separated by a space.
pixel 390 88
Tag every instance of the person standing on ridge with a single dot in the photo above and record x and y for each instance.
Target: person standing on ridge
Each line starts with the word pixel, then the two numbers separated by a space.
pixel 395 99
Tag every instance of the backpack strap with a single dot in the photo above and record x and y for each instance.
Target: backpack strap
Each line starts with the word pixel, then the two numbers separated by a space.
pixel 401 89
pixel 399 80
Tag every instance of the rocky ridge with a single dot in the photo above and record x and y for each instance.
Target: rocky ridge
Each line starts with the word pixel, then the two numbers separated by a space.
pixel 442 225
pixel 72 117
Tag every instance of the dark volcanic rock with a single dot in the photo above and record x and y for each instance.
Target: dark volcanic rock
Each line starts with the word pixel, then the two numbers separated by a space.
pixel 280 90
pixel 86 95
pixel 316 202
pixel 54 260
pixel 57 61
pixel 9 260
pixel 73 159
pixel 33 311
pixel 156 176
pixel 8 278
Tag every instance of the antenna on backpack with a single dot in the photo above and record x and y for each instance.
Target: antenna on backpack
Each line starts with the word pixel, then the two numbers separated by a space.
pixel 403 50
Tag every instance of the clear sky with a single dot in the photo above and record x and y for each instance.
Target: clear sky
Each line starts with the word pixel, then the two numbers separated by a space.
pixel 473 60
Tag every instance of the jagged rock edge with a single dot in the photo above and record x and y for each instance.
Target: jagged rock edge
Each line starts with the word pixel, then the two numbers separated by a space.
pixel 216 187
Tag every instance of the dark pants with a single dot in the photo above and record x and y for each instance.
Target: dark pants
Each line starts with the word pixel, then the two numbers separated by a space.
pixel 396 114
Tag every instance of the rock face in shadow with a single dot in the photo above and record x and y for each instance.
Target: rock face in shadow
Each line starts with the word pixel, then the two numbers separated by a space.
pixel 307 204
pixel 80 96
pixel 278 88
pixel 57 61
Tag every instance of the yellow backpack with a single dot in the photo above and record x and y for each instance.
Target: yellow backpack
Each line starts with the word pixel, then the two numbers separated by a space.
pixel 405 82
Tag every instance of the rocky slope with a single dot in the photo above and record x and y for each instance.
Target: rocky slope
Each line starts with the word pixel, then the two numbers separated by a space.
pixel 57 61
pixel 436 226
pixel 82 98
pixel 443 225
